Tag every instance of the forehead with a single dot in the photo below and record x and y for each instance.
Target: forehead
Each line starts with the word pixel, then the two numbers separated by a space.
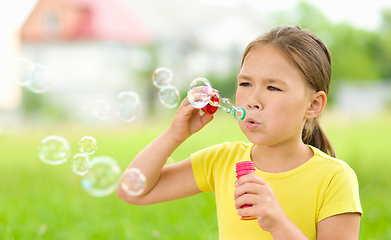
pixel 268 62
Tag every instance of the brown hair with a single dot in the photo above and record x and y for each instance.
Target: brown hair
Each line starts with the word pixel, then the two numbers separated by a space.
pixel 311 56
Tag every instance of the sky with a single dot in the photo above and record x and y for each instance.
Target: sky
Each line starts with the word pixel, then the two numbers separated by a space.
pixel 364 14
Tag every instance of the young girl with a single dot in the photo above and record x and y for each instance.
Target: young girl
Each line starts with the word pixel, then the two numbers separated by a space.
pixel 297 190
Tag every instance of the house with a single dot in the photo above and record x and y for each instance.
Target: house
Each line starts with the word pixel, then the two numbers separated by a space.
pixel 89 45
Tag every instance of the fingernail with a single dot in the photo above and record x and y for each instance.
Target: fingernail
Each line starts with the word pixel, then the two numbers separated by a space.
pixel 236 183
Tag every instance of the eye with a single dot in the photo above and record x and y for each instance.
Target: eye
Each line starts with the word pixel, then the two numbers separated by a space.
pixel 271 88
pixel 245 84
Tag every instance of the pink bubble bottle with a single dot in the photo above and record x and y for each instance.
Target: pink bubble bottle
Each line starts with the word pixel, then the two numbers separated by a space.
pixel 244 168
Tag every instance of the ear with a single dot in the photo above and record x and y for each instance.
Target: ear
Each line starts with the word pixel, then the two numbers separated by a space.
pixel 318 102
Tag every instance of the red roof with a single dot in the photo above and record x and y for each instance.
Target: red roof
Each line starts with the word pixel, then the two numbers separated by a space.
pixel 97 19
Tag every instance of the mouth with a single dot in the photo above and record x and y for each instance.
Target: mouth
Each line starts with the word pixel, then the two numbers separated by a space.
pixel 251 124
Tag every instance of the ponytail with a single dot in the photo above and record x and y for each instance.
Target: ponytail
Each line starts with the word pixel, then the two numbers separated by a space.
pixel 314 135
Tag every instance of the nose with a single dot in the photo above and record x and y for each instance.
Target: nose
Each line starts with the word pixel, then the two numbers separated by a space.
pixel 254 102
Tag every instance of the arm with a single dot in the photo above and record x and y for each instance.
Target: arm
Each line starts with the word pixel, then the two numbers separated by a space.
pixel 173 181
pixel 344 226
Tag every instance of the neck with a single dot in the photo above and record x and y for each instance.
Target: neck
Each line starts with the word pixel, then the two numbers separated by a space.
pixel 280 158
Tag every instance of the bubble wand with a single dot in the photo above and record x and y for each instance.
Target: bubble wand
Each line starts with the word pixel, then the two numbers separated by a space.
pixel 202 96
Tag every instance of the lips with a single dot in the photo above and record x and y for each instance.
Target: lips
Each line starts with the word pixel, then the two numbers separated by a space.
pixel 252 124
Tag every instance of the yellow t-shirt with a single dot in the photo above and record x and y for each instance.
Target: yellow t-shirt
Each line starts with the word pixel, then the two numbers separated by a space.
pixel 320 188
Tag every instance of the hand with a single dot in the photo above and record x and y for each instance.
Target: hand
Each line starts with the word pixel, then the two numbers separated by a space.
pixel 187 121
pixel 253 190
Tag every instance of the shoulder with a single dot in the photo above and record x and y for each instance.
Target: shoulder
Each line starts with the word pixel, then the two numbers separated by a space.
pixel 330 163
pixel 332 172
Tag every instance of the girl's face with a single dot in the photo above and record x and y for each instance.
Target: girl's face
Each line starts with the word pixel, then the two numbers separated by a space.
pixel 275 96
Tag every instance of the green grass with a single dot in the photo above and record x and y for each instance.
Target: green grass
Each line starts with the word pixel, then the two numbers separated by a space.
pixel 40 201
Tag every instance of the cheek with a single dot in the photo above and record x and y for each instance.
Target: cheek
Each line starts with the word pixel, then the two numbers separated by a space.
pixel 288 110
pixel 239 101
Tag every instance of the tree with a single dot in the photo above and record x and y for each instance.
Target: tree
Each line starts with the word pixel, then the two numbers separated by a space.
pixel 357 54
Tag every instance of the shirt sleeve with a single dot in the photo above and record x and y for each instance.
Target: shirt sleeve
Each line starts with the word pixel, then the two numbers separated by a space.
pixel 341 195
pixel 203 163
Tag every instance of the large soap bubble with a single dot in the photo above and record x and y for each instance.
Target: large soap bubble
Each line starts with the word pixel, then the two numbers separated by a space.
pixel 21 71
pixel 127 106
pixel 42 79
pixel 54 150
pixel 133 182
pixel 169 96
pixel 162 77
pixel 102 177
pixel 200 92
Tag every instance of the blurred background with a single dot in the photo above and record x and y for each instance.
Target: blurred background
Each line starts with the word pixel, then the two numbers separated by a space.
pixel 99 48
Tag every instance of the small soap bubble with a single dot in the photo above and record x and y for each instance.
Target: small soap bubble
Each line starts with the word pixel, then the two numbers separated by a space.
pixel 226 104
pixel 127 106
pixel 21 71
pixel 42 79
pixel 133 182
pixel 54 150
pixel 79 163
pixel 102 177
pixel 162 77
pixel 101 109
pixel 88 145
pixel 200 92
pixel 169 96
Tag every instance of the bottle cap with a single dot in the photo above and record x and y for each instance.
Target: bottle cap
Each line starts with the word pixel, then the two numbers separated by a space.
pixel 210 109
pixel 244 168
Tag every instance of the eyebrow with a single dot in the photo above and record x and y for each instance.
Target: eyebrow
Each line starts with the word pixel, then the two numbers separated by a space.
pixel 268 80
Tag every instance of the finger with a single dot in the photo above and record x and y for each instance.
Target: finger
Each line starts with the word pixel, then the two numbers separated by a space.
pixel 206 118
pixel 184 103
pixel 248 187
pixel 246 211
pixel 246 199
pixel 252 177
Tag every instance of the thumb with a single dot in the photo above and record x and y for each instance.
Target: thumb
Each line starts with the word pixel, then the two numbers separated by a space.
pixel 206 118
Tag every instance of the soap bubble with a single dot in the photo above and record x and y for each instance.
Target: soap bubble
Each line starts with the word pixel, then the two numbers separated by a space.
pixel 127 106
pixel 79 163
pixel 54 150
pixel 21 71
pixel 133 182
pixel 200 92
pixel 101 109
pixel 42 79
pixel 88 145
pixel 169 96
pixel 102 177
pixel 162 77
